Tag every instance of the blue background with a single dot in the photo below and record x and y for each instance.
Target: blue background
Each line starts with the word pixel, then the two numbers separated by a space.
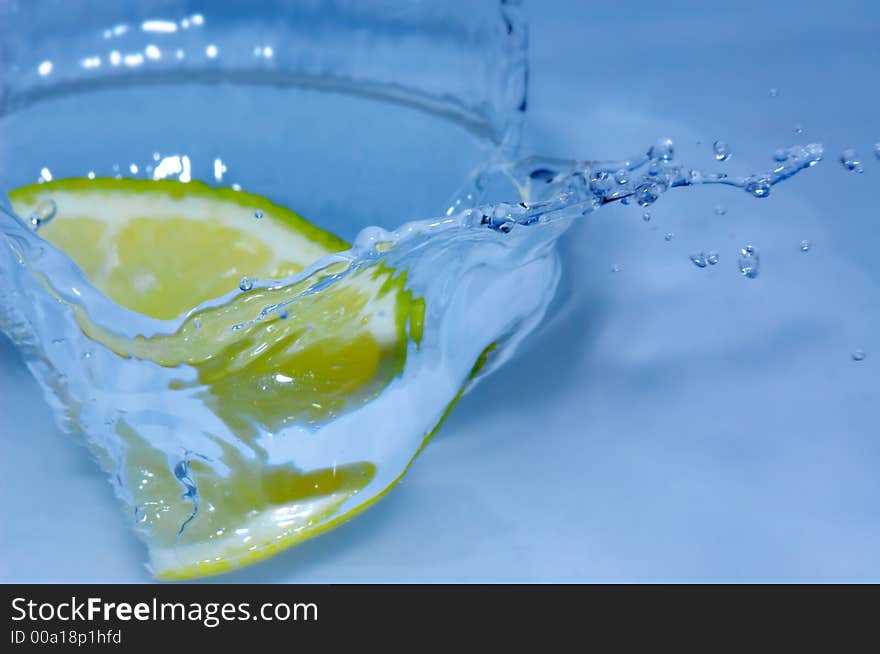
pixel 668 423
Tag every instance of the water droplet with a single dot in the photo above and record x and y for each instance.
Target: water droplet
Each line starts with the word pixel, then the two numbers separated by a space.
pixel 782 154
pixel 44 212
pixel 246 284
pixel 722 151
pixel 197 323
pixel 647 194
pixel 621 177
pixel 850 160
pixel 749 262
pixel 600 183
pixel 858 355
pixel 663 149
pixel 798 129
pixel 615 268
pixel 774 92
pixel 258 214
pixel 669 236
pixel 712 258
pixel 877 150
pixel 283 314
pixel 646 216
pixel 699 260
pixel 805 246
pixel 758 186
pixel 720 210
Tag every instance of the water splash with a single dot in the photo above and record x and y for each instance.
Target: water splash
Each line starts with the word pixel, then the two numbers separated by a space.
pixel 478 279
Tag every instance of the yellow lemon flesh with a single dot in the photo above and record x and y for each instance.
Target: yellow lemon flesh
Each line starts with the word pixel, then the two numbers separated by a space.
pixel 161 248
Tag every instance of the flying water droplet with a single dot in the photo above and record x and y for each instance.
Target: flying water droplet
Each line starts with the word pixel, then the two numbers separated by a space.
pixel 749 262
pixel 197 323
pixel 699 260
pixel 805 246
pixel 858 355
pixel 798 129
pixel 720 210
pixel 646 216
pixel 722 151
pixel 246 284
pixel 258 214
pixel 877 150
pixel 774 92
pixel 669 236
pixel 615 268
pixel 712 258
pixel 663 149
pixel 850 160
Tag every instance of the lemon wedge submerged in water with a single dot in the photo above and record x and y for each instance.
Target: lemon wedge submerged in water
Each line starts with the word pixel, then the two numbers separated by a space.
pixel 162 248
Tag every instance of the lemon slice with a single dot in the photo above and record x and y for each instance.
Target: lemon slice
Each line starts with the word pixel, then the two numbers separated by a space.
pixel 162 248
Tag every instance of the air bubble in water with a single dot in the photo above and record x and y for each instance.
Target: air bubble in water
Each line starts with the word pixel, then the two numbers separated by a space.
pixel 246 284
pixel 646 216
pixel 699 260
pixel 720 210
pixel 712 258
pixel 749 262
pixel 44 212
pixel 258 214
pixel 805 246
pixel 850 160
pixel 858 355
pixel 663 149
pixel 722 151
pixel 621 177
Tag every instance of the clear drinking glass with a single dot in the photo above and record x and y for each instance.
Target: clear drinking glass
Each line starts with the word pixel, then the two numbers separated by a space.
pixel 354 113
